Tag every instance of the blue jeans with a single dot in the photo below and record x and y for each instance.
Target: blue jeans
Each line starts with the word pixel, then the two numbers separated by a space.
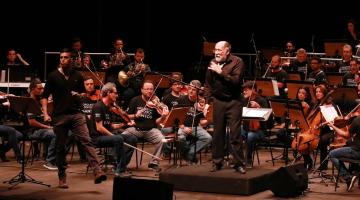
pixel 49 137
pixel 13 136
pixel 117 142
pixel 203 138
pixel 251 138
pixel 343 152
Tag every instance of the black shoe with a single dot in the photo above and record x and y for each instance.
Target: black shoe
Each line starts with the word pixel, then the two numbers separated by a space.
pixel 350 183
pixel 216 167
pixel 239 169
pixel 154 167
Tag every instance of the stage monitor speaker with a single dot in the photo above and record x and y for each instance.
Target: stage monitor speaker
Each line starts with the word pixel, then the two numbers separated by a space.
pixel 289 181
pixel 138 189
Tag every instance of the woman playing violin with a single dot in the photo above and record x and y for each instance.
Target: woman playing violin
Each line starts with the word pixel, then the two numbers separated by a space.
pixel 351 150
pixel 253 130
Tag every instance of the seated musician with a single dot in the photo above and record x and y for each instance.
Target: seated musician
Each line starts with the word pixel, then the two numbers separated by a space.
pixel 352 78
pixel 324 132
pixel 136 70
pixel 277 73
pixel 105 133
pixel 317 75
pixel 14 58
pixel 300 64
pixel 88 100
pixel 351 150
pixel 191 131
pixel 344 65
pixel 40 130
pixel 303 95
pixel 252 130
pixel 13 136
pixel 147 114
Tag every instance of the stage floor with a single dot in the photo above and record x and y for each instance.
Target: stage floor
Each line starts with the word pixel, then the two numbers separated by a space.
pixel 82 186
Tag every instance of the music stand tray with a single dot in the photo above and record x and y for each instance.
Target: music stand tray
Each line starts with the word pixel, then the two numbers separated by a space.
pixel 296 115
pixel 266 87
pixel 261 114
pixel 158 79
pixel 294 85
pixel 176 116
pixel 345 93
pixel 334 78
pixel 23 105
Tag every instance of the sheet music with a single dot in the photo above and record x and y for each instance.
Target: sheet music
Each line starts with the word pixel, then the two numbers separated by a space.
pixel 275 87
pixel 329 112
pixel 256 113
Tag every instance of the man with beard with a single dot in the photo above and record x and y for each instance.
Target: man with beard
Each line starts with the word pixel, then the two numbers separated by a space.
pixel 223 86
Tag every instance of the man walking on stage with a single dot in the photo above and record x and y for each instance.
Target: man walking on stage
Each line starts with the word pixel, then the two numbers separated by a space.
pixel 64 84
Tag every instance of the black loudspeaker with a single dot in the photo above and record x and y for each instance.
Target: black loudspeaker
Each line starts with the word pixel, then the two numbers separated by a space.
pixel 138 189
pixel 289 181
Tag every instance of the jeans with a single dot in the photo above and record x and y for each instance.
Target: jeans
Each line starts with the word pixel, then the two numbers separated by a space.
pixel 49 137
pixel 251 138
pixel 13 137
pixel 343 152
pixel 122 153
pixel 202 138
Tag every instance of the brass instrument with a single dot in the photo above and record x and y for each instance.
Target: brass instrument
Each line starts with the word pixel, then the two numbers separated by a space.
pixel 136 70
pixel 123 78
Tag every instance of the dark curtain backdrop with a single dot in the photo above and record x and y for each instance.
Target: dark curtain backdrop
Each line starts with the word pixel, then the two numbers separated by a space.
pixel 171 37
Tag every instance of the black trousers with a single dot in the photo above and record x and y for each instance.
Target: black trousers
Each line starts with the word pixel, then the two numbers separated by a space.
pixel 227 113
pixel 77 124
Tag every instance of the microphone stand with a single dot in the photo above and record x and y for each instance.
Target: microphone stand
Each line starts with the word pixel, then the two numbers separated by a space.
pixel 257 60
pixel 182 82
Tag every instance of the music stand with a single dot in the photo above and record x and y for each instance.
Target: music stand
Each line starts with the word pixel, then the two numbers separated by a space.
pixel 267 87
pixel 174 119
pixel 293 87
pixel 156 78
pixel 345 93
pixel 296 76
pixel 334 78
pixel 23 105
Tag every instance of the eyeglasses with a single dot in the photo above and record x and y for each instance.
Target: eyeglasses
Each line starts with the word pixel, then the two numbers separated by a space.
pixel 64 57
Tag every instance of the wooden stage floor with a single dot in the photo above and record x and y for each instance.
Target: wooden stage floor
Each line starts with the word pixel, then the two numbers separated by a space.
pixel 82 186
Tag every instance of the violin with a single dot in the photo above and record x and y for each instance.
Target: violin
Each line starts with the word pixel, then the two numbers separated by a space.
pixel 159 106
pixel 94 96
pixel 120 112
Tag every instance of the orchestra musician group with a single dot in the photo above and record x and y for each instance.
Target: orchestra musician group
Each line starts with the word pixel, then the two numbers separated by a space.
pixel 121 113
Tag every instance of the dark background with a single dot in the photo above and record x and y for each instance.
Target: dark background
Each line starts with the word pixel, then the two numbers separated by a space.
pixel 171 37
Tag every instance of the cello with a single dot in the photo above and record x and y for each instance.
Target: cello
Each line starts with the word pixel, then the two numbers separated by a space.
pixel 308 140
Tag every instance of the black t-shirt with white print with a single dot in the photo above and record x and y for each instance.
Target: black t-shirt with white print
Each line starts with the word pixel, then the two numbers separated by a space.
pixel 147 119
